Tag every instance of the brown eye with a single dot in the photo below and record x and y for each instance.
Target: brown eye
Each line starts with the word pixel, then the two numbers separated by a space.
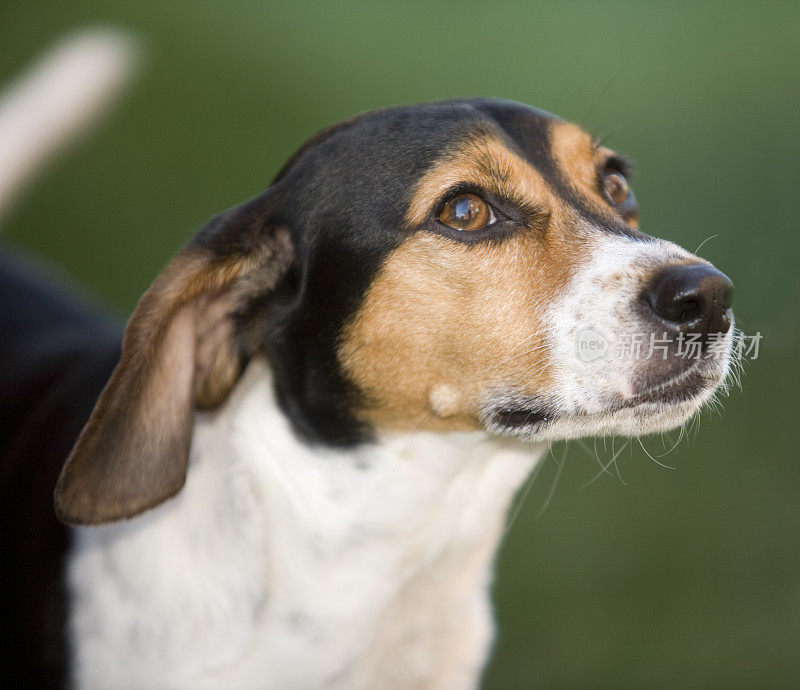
pixel 616 187
pixel 467 212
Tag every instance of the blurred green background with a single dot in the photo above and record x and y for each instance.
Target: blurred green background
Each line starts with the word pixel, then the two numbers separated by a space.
pixel 685 577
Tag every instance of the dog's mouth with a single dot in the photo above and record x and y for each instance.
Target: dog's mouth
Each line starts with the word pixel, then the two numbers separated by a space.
pixel 680 388
pixel 685 392
pixel 521 417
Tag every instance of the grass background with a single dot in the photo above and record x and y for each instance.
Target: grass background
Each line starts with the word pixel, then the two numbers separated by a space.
pixel 685 577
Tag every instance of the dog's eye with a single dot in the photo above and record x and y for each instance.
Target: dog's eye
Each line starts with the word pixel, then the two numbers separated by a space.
pixel 467 212
pixel 616 187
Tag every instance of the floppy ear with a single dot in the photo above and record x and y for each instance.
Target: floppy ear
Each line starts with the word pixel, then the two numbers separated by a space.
pixel 180 352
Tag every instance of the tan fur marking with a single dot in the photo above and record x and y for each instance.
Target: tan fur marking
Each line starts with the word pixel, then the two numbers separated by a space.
pixel 482 160
pixel 579 158
pixel 443 314
pixel 189 278
pixel 576 154
pixel 196 280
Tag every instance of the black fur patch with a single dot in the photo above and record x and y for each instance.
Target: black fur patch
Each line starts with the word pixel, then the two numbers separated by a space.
pixel 55 355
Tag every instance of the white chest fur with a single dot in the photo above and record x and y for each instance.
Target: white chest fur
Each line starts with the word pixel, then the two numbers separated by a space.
pixel 281 565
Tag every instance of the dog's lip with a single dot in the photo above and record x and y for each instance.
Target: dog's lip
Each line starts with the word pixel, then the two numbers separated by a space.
pixel 677 389
pixel 517 417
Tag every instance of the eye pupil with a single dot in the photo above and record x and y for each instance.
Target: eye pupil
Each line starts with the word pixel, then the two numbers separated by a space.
pixel 466 212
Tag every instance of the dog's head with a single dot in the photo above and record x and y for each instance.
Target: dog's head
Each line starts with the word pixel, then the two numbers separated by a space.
pixel 461 265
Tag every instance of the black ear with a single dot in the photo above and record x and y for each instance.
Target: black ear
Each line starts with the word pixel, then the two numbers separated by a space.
pixel 180 352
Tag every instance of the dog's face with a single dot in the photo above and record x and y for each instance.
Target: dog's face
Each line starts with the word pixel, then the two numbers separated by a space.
pixel 459 265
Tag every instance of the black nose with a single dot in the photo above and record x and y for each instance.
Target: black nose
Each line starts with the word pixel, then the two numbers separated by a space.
pixel 696 298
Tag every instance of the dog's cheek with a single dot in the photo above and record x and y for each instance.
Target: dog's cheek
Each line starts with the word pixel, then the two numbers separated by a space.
pixel 444 326
pixel 405 347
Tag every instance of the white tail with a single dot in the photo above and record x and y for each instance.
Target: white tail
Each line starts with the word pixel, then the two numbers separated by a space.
pixel 56 98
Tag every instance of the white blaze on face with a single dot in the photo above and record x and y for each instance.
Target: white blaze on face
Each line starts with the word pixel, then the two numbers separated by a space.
pixel 600 338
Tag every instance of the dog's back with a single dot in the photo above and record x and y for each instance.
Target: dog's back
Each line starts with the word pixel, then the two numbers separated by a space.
pixel 56 353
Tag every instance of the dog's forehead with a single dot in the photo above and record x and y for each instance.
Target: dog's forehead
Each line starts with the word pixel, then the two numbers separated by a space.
pixel 366 171
pixel 529 130
pixel 393 147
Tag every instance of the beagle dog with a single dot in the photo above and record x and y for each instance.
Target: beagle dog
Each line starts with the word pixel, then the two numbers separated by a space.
pixel 298 473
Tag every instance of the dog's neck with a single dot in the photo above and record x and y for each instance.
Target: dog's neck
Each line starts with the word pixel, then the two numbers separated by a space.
pixel 277 552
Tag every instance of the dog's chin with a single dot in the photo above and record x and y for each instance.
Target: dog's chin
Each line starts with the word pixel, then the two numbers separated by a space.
pixel 659 408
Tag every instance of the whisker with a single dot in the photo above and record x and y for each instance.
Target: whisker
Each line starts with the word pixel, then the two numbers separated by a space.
pixel 555 480
pixel 604 468
pixel 413 433
pixel 707 239
pixel 666 467
pixel 521 500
